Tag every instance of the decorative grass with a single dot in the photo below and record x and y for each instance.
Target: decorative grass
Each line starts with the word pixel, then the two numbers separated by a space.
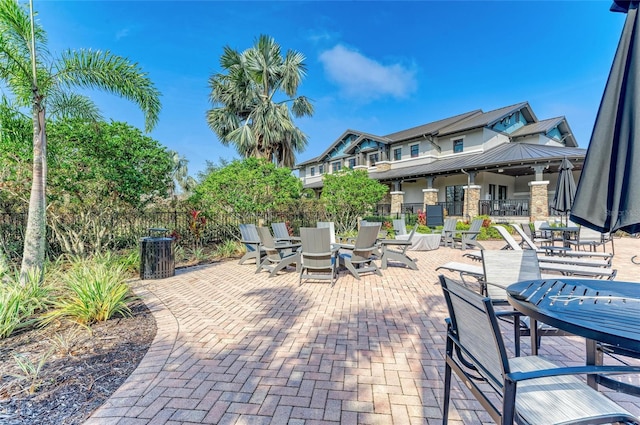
pixel 91 292
pixel 20 303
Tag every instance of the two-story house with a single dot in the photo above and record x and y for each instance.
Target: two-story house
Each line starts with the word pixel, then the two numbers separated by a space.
pixel 503 162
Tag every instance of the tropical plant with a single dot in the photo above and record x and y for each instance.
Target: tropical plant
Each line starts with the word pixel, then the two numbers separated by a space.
pixel 30 370
pixel 197 223
pixel 92 291
pixel 350 194
pixel 40 81
pixel 228 248
pixel 250 101
pixel 180 178
pixel 20 303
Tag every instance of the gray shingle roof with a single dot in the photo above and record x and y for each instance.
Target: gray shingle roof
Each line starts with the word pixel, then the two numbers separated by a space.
pixel 430 128
pixel 487 118
pixel 509 154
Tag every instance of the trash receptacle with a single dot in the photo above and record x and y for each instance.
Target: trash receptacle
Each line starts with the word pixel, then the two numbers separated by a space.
pixel 157 259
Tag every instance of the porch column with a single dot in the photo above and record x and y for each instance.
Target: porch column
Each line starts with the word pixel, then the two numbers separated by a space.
pixel 471 200
pixel 539 200
pixel 430 197
pixel 397 199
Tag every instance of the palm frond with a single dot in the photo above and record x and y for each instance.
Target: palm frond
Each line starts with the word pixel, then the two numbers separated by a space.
pixel 73 105
pixel 113 74
pixel 302 107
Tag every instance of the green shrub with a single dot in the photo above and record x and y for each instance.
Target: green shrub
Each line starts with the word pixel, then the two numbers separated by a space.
pixel 227 249
pixel 92 291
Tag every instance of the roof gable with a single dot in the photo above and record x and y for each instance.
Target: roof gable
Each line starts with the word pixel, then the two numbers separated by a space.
pixel 552 128
pixel 488 119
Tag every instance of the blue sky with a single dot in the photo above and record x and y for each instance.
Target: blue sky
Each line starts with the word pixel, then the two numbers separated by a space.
pixel 378 67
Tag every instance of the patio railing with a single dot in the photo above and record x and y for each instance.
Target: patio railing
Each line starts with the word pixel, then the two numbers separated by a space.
pixel 504 207
pixel 453 207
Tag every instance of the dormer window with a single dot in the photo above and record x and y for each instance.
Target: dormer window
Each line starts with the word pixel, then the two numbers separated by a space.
pixel 458 146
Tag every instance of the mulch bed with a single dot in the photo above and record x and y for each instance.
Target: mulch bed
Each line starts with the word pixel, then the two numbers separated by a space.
pixel 83 368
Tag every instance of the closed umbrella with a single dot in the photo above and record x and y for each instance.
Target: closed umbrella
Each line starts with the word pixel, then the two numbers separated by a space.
pixel 608 193
pixel 565 189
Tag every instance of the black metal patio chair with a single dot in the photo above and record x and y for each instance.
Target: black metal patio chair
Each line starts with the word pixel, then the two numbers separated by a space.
pixel 525 390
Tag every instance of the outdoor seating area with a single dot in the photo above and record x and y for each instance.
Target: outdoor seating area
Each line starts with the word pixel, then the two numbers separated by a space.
pixel 234 346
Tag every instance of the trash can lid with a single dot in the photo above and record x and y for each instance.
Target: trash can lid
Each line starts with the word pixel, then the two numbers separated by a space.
pixel 157 229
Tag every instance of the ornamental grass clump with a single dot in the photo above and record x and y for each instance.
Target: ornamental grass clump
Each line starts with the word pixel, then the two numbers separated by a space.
pixel 19 304
pixel 91 292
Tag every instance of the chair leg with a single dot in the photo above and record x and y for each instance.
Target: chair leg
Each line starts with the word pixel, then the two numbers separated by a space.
pixel 352 269
pixel 283 264
pixel 263 264
pixel 447 385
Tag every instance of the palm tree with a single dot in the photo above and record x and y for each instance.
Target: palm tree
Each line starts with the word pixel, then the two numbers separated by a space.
pixel 251 102
pixel 180 174
pixel 36 81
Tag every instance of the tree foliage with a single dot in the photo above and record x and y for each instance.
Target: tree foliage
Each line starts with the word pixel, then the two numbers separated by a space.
pixel 95 164
pixel 350 194
pixel 92 165
pixel 38 80
pixel 250 102
pixel 250 186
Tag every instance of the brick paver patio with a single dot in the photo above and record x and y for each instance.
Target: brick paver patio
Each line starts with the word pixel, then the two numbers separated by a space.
pixel 234 347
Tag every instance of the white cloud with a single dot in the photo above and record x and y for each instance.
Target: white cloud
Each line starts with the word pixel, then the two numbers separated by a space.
pixel 366 79
pixel 122 33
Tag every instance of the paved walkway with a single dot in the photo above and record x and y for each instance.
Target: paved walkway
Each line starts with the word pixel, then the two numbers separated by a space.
pixel 234 347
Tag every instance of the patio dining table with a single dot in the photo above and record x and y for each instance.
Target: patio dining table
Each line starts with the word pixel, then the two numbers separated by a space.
pixel 605 313
pixel 568 232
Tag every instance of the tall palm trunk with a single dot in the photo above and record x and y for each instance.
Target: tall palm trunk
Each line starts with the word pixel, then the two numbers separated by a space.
pixel 35 235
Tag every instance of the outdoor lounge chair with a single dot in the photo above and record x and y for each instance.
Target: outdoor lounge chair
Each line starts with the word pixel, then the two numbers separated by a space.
pixel 399 227
pixel 358 258
pixel 468 237
pixel 565 269
pixel 530 390
pixel 501 269
pixel 590 238
pixel 597 259
pixel 251 240
pixel 281 233
pixel 447 231
pixel 399 255
pixel 279 255
pixel 332 230
pixel 318 259
pixel 464 269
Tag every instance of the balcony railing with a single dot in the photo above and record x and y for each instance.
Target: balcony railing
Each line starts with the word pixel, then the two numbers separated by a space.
pixel 504 207
pixel 453 207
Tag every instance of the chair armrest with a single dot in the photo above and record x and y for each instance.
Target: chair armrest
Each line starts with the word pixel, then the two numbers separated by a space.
pixel 280 246
pixel 394 242
pixel 573 370
pixel 318 254
pixel 250 242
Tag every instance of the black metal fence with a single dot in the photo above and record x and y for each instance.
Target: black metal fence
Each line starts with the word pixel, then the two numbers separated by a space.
pixel 113 230
pixel 504 207
pixel 453 208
